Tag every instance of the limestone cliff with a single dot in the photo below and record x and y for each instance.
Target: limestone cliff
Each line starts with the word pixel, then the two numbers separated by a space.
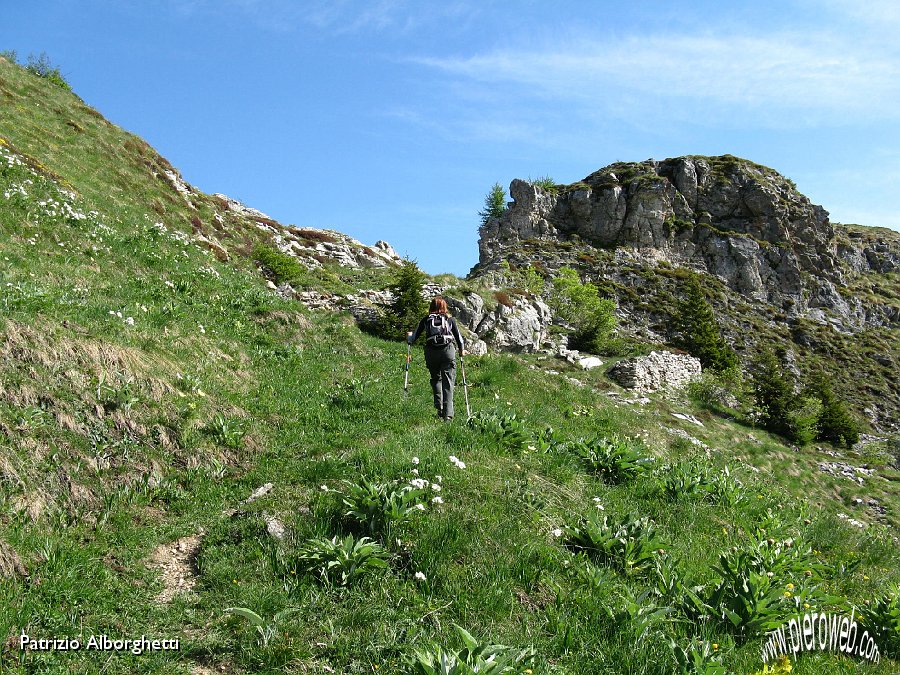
pixel 740 222
pixel 777 271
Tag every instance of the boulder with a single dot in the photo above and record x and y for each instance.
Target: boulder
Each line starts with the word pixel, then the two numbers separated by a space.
pixel 658 370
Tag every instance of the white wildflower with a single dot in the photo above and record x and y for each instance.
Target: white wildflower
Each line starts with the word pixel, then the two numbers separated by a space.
pixel 418 483
pixel 419 576
pixel 415 460
pixel 437 500
pixel 421 507
pixel 415 472
pixel 129 321
pixel 323 488
pixel 556 532
pixel 435 487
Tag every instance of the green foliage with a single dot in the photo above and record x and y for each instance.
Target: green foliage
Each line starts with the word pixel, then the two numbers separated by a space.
pixel 881 618
pixel 280 266
pixel 545 183
pixel 41 66
pixel 835 423
pixel 226 432
pixel 494 204
pixel 699 657
pixel 377 507
pixel 266 629
pixel 817 413
pixel 616 459
pixel 506 426
pixel 762 583
pixel 698 333
pixel 408 306
pixel 340 562
pixel 693 478
pixel 629 545
pixel 803 419
pixel 474 657
pixel 773 391
pixel 593 318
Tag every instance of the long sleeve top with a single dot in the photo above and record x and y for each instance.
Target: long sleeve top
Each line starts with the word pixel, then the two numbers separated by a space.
pixel 454 330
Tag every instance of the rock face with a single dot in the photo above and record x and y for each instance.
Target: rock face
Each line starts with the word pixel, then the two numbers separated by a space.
pixel 738 221
pixel 518 324
pixel 658 370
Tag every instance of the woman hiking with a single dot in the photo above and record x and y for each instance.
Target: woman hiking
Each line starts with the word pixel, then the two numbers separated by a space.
pixel 441 340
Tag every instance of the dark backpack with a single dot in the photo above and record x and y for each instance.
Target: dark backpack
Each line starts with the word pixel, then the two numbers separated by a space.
pixel 437 330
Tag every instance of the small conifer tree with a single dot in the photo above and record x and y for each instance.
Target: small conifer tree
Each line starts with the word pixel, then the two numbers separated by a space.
pixel 836 423
pixel 408 306
pixel 698 332
pixel 773 391
pixel 494 204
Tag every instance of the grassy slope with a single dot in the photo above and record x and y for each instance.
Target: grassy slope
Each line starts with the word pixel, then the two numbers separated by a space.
pixel 117 438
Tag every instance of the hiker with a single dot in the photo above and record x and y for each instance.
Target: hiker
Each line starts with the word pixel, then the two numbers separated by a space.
pixel 441 340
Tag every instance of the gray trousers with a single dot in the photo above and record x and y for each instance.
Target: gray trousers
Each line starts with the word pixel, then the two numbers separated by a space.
pixel 441 362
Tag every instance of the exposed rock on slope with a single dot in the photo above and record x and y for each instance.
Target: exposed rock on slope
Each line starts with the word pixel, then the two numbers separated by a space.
pixel 778 273
pixel 740 222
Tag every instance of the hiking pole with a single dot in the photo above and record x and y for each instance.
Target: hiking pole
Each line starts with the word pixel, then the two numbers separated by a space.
pixel 406 374
pixel 462 364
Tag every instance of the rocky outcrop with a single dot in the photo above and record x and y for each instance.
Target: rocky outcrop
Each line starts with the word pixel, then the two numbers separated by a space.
pixel 741 222
pixel 517 324
pixel 313 247
pixel 658 370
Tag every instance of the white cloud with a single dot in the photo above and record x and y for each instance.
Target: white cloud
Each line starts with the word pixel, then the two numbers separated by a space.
pixel 820 77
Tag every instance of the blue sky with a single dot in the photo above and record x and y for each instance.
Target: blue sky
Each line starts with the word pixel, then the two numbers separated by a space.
pixel 391 119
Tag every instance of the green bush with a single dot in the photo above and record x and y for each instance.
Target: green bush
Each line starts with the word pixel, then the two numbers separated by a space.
pixel 836 423
pixel 580 304
pixel 615 459
pixel 773 392
pixel 803 420
pixel 629 545
pixel 280 266
pixel 545 183
pixel 340 562
pixel 42 67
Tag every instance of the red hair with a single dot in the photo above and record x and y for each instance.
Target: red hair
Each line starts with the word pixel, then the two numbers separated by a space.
pixel 438 305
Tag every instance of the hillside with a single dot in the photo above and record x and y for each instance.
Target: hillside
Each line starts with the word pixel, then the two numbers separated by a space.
pixel 777 271
pixel 180 437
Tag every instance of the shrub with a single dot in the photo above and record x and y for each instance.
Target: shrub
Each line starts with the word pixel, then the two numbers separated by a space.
pixel 280 266
pixel 882 619
pixel 836 423
pixel 508 429
pixel 803 419
pixel 593 317
pixel 545 183
pixel 494 204
pixel 42 67
pixel 773 392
